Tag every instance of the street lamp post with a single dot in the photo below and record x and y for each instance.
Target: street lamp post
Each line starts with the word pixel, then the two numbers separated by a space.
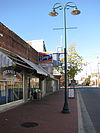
pixel 98 69
pixel 54 13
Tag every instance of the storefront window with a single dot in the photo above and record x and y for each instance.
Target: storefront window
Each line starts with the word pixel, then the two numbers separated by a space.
pixel 2 92
pixel 11 85
pixel 49 88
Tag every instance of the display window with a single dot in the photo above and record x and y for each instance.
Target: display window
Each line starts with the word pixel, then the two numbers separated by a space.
pixel 11 85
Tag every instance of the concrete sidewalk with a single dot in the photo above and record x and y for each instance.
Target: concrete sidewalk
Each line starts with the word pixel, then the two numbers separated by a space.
pixel 45 115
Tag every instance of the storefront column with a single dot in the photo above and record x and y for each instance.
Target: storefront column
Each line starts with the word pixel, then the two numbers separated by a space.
pixel 42 85
pixel 53 85
pixel 25 87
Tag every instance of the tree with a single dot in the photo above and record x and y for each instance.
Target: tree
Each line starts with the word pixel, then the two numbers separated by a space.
pixel 74 62
pixel 87 80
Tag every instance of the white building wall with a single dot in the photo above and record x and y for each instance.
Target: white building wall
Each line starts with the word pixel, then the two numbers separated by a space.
pixel 38 45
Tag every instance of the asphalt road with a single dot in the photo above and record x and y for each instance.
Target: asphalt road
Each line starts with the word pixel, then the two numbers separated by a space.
pixel 91 99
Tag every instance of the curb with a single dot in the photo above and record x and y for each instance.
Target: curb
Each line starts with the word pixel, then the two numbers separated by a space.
pixel 85 124
pixel 80 121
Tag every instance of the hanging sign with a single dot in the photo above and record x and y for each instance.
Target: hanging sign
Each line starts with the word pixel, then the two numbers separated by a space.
pixel 45 57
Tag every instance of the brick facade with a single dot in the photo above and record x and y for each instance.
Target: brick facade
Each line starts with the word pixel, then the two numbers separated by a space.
pixel 15 44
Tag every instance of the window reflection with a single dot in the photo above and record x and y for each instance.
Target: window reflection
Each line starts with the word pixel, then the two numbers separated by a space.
pixel 11 85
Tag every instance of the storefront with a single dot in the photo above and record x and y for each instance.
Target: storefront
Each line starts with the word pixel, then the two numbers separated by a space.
pixel 18 67
pixel 11 80
pixel 51 85
pixel 16 74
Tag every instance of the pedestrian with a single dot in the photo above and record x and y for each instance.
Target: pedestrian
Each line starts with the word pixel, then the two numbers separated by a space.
pixel 35 94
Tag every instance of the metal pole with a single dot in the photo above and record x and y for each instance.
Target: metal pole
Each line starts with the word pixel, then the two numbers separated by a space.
pixel 65 108
pixel 54 13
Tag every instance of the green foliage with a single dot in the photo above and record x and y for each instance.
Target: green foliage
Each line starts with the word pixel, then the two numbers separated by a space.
pixel 87 80
pixel 74 62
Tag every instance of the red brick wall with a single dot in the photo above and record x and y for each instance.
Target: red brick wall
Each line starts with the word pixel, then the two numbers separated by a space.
pixel 14 43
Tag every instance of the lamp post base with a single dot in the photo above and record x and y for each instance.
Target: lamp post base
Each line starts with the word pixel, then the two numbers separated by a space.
pixel 65 109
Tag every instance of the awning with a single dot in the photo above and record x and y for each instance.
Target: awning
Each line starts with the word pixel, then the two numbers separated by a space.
pixel 10 57
pixel 36 67
pixel 5 61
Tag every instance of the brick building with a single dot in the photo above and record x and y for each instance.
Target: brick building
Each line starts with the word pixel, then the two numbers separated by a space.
pixel 18 66
pixel 12 42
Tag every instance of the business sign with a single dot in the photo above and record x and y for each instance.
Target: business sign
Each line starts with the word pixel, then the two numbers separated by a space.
pixel 45 57
pixel 71 93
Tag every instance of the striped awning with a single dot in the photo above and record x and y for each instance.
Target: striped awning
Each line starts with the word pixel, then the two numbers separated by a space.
pixel 8 58
pixel 5 61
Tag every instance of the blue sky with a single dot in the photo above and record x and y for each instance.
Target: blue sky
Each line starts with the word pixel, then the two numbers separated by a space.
pixel 30 20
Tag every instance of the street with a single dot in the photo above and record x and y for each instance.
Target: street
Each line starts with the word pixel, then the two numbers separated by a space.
pixel 91 99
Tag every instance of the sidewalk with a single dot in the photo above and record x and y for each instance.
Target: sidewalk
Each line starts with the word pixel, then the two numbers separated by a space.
pixel 44 114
